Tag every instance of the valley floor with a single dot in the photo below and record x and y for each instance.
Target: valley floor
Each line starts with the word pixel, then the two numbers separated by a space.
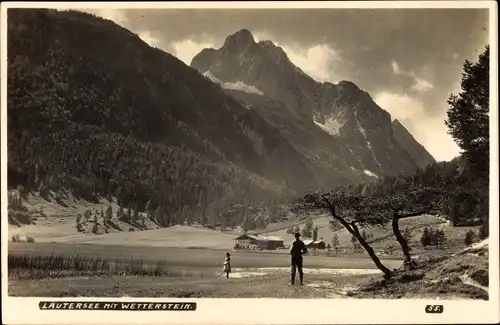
pixel 191 258
pixel 197 273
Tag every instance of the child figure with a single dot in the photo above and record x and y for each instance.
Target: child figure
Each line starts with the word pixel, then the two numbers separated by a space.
pixel 227 265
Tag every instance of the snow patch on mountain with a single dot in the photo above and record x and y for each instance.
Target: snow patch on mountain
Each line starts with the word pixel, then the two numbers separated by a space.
pixel 368 144
pixel 240 86
pixel 369 173
pixel 331 126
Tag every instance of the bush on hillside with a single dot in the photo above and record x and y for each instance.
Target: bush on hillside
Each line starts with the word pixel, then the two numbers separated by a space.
pixel 425 239
pixel 470 237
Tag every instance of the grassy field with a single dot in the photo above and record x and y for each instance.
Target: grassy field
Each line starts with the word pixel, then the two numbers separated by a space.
pixel 195 257
pixel 197 273
pixel 186 272
pixel 202 283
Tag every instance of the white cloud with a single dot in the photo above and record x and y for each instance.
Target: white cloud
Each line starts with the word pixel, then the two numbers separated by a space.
pixel 422 85
pixel 430 132
pixel 395 67
pixel 148 38
pixel 419 85
pixel 115 15
pixel 185 50
pixel 317 61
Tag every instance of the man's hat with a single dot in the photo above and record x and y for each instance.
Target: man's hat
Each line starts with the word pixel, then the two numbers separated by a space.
pixel 297 234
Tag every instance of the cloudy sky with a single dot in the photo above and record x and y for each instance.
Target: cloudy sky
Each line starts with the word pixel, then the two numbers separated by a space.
pixel 409 60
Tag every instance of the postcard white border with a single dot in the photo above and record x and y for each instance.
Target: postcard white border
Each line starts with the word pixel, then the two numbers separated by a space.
pixel 264 311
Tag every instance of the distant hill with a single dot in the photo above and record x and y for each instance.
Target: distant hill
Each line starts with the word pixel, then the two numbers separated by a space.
pixel 95 110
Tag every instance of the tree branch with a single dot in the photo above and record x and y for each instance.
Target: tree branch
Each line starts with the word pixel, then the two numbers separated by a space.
pixel 411 214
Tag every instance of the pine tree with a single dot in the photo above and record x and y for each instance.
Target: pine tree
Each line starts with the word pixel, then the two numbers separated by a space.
pixel 469 237
pixel 315 233
pixel 109 213
pixel 87 215
pixel 425 240
pixel 440 237
pixel 307 230
pixel 468 115
pixel 335 241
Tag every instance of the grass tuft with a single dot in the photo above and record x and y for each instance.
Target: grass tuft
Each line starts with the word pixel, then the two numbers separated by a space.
pixel 57 266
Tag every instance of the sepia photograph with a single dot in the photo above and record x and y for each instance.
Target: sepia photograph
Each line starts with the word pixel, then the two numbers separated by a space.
pixel 331 152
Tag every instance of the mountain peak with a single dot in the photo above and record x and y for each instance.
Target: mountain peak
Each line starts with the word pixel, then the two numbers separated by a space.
pixel 241 37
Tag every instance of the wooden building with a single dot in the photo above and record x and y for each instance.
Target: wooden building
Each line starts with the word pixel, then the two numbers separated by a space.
pixel 314 244
pixel 247 241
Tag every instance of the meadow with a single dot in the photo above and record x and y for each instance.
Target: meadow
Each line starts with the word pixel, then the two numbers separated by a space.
pixel 86 270
pixel 49 269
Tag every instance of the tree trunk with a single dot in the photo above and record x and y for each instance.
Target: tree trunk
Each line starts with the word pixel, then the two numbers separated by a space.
pixel 353 230
pixel 369 250
pixel 401 240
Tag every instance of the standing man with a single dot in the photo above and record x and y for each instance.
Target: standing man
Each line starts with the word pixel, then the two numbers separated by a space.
pixel 296 251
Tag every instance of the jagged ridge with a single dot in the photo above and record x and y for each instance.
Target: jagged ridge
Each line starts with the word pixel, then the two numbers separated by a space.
pixel 342 110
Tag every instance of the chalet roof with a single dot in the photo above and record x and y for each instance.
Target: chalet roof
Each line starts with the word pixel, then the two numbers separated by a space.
pixel 270 238
pixel 257 237
pixel 310 241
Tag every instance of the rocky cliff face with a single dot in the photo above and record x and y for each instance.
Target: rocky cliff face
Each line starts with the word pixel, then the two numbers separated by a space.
pixel 421 156
pixel 358 128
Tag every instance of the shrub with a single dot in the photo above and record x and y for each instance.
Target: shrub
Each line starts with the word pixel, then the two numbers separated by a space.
pixel 86 215
pixel 16 238
pixel 131 229
pixel 30 239
pixel 425 239
pixel 95 229
pixel 469 237
pixel 439 237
